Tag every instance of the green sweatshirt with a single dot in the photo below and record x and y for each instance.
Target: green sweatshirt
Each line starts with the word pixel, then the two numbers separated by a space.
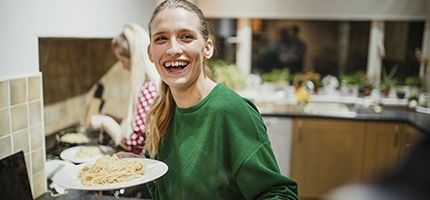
pixel 219 149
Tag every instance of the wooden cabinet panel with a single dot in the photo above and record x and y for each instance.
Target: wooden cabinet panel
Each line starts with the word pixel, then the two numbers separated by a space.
pixel 382 149
pixel 410 137
pixel 326 154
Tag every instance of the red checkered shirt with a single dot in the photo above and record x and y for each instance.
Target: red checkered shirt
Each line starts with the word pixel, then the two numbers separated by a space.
pixel 146 98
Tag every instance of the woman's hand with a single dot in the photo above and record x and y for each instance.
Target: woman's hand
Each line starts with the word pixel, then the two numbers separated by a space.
pixel 96 121
pixel 108 124
pixel 123 154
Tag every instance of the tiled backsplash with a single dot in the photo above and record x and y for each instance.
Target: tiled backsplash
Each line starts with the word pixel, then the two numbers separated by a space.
pixel 21 126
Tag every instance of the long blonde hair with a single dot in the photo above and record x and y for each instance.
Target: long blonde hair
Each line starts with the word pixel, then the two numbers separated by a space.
pixel 158 119
pixel 132 43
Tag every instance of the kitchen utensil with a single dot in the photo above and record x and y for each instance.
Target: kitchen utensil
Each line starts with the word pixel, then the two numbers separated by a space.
pixel 95 105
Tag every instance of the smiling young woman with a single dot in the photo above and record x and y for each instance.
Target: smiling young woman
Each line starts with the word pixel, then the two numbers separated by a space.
pixel 179 50
pixel 214 141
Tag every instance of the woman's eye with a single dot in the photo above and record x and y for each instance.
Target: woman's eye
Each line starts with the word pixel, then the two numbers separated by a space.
pixel 160 39
pixel 187 38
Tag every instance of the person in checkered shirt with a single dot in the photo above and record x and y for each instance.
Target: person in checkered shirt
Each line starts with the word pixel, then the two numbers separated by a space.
pixel 130 49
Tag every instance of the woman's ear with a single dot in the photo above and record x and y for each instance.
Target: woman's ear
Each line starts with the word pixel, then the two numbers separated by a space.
pixel 209 49
pixel 148 50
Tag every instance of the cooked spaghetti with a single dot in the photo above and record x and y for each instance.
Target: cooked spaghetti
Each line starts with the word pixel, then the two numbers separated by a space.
pixel 74 138
pixel 88 152
pixel 110 169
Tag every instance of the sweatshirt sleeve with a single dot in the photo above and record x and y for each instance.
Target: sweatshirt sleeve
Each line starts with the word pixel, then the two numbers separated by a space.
pixel 259 178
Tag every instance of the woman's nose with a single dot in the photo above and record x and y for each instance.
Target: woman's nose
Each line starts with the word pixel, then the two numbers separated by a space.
pixel 175 48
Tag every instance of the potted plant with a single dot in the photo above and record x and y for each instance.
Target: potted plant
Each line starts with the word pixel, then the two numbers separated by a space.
pixel 414 81
pixel 350 83
pixel 365 87
pixel 276 76
pixel 388 81
pixel 414 84
pixel 302 79
pixel 226 73
pixel 351 79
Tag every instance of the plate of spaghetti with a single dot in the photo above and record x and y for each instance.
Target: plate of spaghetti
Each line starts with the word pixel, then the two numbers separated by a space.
pixel 110 173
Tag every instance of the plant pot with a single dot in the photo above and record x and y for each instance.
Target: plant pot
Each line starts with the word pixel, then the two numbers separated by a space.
pixel 385 92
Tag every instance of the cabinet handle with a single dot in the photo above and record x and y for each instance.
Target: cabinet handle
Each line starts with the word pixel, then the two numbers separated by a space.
pixel 299 134
pixel 408 142
pixel 397 135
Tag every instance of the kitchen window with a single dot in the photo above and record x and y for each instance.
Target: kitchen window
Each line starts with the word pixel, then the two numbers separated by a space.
pixel 332 47
pixel 403 45
pixel 224 34
pixel 327 47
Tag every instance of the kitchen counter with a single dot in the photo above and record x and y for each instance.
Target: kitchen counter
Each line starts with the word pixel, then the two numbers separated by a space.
pixel 394 114
pixel 83 195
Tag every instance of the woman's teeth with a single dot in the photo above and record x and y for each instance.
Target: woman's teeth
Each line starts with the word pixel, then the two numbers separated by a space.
pixel 175 64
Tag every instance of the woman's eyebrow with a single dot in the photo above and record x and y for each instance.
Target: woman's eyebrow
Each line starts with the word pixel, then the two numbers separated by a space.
pixel 186 30
pixel 159 33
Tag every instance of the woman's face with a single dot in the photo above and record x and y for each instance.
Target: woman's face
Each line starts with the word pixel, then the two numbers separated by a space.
pixel 178 48
pixel 123 59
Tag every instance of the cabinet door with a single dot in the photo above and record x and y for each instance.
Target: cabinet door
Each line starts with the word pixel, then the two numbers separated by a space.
pixel 410 137
pixel 382 149
pixel 326 154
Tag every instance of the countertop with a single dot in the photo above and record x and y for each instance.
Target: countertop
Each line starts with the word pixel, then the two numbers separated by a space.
pixel 395 114
pixel 131 193
pixel 82 195
pixel 74 194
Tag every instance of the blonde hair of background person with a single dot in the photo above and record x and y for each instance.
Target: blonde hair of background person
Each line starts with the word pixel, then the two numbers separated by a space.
pixel 131 43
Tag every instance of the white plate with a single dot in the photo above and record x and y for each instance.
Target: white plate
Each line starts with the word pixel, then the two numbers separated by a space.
pixel 52 165
pixel 70 154
pixel 68 176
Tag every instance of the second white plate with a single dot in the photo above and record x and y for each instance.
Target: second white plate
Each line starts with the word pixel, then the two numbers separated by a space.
pixel 72 154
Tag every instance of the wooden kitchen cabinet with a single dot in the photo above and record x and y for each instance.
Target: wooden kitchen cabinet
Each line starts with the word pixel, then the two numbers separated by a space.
pixel 326 154
pixel 387 146
pixel 382 149
pixel 410 137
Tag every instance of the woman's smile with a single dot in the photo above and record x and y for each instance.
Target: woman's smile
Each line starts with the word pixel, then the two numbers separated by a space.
pixel 176 66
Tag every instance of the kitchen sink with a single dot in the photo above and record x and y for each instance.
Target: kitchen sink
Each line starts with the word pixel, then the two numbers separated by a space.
pixel 329 109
